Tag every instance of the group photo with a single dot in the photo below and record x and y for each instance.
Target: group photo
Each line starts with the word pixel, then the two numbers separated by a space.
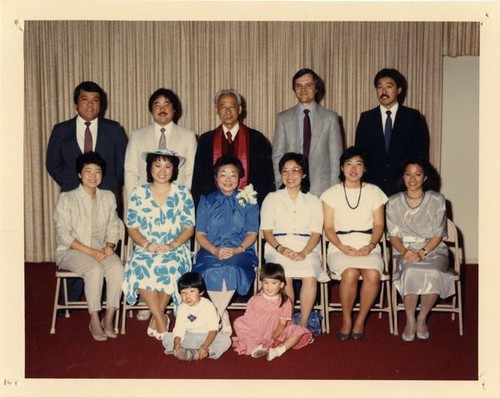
pixel 251 200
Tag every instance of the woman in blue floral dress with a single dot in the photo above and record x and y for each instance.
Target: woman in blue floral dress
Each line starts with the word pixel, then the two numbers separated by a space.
pixel 160 221
pixel 227 223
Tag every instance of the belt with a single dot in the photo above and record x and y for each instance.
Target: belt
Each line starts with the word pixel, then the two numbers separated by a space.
pixel 285 234
pixel 367 231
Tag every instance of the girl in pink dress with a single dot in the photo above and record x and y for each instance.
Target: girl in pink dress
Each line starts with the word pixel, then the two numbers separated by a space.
pixel 267 327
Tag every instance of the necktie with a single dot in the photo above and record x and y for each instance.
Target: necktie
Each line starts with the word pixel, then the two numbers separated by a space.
pixel 388 130
pixel 87 140
pixel 229 138
pixel 307 133
pixel 162 144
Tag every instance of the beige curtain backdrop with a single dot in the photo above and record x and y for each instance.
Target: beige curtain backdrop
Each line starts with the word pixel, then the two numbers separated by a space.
pixel 132 59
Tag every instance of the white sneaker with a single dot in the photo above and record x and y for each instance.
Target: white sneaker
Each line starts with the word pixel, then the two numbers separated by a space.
pixel 143 315
pixel 226 324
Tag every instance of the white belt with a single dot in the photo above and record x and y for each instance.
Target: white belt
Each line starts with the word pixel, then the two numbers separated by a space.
pixel 413 239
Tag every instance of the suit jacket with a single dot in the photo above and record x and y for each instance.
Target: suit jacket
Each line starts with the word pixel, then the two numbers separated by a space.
pixel 409 139
pixel 261 167
pixel 181 140
pixel 325 151
pixel 63 150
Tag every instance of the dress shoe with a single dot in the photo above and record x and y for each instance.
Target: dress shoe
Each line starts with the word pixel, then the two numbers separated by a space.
pixel 343 336
pixel 408 337
pixel 110 333
pixel 158 335
pixel 357 336
pixel 151 332
pixel 184 354
pixel 98 336
pixel 423 336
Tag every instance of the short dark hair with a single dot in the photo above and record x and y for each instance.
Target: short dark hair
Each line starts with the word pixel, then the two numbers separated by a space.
pixel 92 87
pixel 153 157
pixel 224 160
pixel 398 78
pixel 191 280
pixel 90 158
pixel 318 82
pixel 302 161
pixel 349 153
pixel 433 181
pixel 274 271
pixel 171 96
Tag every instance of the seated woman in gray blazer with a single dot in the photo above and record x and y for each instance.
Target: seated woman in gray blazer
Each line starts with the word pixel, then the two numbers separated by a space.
pixel 88 229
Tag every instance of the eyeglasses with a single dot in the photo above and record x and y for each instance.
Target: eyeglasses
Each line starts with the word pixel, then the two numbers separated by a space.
pixel 293 172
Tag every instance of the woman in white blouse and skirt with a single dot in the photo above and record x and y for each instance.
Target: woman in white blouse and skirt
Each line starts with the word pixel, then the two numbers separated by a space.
pixel 354 224
pixel 292 222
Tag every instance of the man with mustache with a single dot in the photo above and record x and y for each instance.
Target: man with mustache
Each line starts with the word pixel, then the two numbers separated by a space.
pixel 164 133
pixel 165 108
pixel 391 132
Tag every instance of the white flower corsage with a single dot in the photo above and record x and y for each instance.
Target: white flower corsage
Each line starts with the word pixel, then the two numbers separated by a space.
pixel 247 195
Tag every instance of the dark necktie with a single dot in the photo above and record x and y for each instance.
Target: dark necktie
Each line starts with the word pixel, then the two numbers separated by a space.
pixel 87 140
pixel 162 144
pixel 306 145
pixel 229 138
pixel 388 130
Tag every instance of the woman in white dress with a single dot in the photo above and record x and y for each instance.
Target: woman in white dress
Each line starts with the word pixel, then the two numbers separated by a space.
pixel 292 221
pixel 416 221
pixel 354 223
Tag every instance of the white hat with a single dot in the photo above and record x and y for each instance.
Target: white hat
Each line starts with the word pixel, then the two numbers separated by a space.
pixel 167 152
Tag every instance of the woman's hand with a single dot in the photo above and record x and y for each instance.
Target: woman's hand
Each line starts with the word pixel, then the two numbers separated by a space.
pixel 164 247
pixel 366 250
pixel 411 256
pixel 348 250
pixel 107 251
pixel 289 253
pixel 223 253
pixel 151 247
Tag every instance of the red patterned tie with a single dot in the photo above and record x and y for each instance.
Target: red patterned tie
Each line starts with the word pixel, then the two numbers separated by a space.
pixel 229 138
pixel 87 142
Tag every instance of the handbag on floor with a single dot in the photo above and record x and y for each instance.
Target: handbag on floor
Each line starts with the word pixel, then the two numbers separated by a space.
pixel 313 324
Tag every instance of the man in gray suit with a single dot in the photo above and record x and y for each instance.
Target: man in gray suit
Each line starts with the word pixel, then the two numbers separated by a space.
pixel 165 108
pixel 310 129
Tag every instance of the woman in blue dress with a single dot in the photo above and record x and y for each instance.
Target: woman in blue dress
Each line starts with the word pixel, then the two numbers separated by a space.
pixel 227 223
pixel 160 221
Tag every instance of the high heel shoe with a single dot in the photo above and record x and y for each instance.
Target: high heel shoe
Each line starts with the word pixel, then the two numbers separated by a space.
pixel 109 333
pixel 151 332
pixel 97 336
pixel 159 336
pixel 423 336
pixel 408 337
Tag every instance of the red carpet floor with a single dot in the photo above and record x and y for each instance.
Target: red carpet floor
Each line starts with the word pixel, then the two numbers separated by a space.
pixel 72 353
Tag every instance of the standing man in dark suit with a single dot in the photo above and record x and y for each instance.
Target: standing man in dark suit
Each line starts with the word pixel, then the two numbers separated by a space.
pixel 87 131
pixel 391 132
pixel 232 137
pixel 312 130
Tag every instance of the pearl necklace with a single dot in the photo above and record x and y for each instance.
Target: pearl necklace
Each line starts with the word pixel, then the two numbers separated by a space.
pixel 359 196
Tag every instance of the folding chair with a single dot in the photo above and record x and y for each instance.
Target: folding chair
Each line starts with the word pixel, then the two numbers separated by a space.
pixel 453 307
pixel 383 305
pixel 319 305
pixel 63 275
